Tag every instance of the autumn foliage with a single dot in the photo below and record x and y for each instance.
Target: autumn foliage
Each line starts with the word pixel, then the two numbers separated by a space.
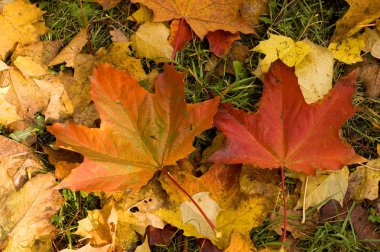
pixel 160 161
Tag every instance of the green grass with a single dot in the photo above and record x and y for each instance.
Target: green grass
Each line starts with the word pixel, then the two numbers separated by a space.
pixel 298 19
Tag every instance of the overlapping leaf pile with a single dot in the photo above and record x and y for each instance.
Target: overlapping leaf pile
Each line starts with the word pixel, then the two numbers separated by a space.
pixel 138 160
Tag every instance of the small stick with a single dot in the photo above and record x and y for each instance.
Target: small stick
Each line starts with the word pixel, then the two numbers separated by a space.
pixel 87 29
pixel 304 201
pixel 284 198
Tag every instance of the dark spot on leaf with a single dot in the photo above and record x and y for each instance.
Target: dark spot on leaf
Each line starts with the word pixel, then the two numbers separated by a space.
pixel 153 137
pixel 134 209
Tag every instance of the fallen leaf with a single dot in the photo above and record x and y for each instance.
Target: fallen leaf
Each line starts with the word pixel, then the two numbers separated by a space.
pixel 251 10
pixel 217 192
pixel 143 247
pixel 368 178
pixel 220 41
pixel 180 34
pixel 20 22
pixel 25 214
pixel 142 15
pixel 69 53
pixel 360 13
pixel 18 163
pixel 315 73
pixel 294 225
pixel 88 248
pixel 372 42
pixel 7 110
pixel 63 160
pixel 348 50
pixel 364 229
pixel 108 4
pixel 369 75
pixel 151 41
pixel 281 47
pixel 285 132
pixel 124 152
pixel 118 36
pixel 321 187
pixel 211 15
pixel 161 237
pixel 117 56
pixel 239 243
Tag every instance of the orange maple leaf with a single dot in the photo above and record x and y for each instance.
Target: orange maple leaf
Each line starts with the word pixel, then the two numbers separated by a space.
pixel 202 16
pixel 286 131
pixel 140 132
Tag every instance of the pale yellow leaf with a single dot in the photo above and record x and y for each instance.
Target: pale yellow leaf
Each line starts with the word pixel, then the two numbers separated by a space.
pixel 7 111
pixel 151 41
pixel 323 186
pixel 191 215
pixel 348 50
pixel 315 72
pixel 29 68
pixel 142 15
pixel 281 47
pixel 144 247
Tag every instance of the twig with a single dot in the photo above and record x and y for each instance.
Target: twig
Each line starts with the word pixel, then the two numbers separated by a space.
pixel 284 198
pixel 304 201
pixel 87 29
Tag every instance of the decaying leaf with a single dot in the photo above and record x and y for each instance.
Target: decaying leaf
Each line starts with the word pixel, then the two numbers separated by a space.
pixel 108 4
pixel 25 215
pixel 118 36
pixel 69 53
pixel 210 15
pixel 372 42
pixel 287 132
pixel 369 75
pixel 151 41
pixel 117 56
pixel 368 178
pixel 321 187
pixel 361 12
pixel 8 111
pixel 89 248
pixel 152 131
pixel 20 22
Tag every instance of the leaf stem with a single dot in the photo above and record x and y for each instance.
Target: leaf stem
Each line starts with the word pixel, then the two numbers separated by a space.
pixel 177 37
pixel 166 172
pixel 284 198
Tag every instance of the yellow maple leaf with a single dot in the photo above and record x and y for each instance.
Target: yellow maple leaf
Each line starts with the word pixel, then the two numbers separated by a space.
pixel 281 47
pixel 348 50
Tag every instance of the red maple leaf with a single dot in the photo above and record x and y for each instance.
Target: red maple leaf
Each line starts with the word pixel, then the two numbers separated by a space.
pixel 286 131
pixel 140 132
